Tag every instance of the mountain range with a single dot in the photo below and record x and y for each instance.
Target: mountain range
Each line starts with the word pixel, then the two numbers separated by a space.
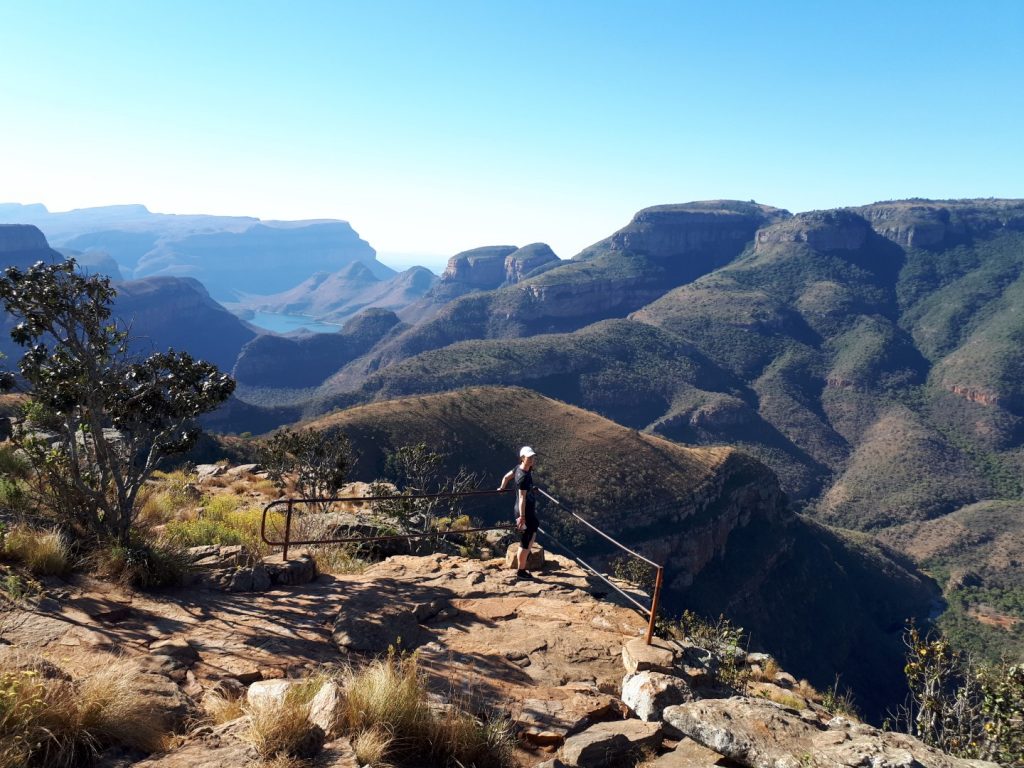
pixel 230 255
pixel 869 357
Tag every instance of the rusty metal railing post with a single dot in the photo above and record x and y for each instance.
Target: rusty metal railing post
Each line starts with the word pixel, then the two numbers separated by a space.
pixel 658 579
pixel 287 530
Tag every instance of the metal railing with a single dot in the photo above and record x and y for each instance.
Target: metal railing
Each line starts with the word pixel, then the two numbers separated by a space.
pixel 290 504
pixel 659 570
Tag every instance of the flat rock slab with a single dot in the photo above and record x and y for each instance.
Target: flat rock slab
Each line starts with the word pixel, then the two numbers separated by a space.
pixel 659 656
pixel 759 734
pixel 562 711
pixel 690 754
pixel 604 743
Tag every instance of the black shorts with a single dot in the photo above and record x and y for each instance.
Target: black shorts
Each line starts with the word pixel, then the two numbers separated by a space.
pixel 532 524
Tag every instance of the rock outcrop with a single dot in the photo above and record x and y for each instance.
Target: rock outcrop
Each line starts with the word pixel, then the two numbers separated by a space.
pixel 714 231
pixel 528 261
pixel 761 734
pixel 479 268
pixel 820 230
pixel 933 223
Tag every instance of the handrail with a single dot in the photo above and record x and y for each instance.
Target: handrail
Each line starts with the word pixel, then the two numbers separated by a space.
pixel 291 502
pixel 598 531
pixel 288 542
pixel 659 573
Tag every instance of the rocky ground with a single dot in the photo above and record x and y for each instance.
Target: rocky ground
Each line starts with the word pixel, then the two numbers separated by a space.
pixel 551 654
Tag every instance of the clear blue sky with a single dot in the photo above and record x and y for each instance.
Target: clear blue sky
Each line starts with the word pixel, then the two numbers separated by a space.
pixel 438 126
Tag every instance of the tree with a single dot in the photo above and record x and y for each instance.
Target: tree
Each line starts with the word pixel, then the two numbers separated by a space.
pixel 319 460
pixel 110 418
pixel 416 470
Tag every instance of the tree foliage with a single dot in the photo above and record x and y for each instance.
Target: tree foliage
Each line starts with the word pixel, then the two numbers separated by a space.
pixel 417 470
pixel 100 420
pixel 319 460
pixel 961 708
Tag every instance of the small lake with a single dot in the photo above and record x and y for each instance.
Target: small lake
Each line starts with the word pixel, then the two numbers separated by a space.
pixel 280 323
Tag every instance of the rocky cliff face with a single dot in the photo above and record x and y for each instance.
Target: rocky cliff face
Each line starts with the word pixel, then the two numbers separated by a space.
pixel 527 261
pixel 820 230
pixel 933 223
pixel 479 268
pixel 21 245
pixel 711 230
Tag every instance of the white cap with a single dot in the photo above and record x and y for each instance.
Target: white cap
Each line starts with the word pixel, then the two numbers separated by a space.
pixel 526 451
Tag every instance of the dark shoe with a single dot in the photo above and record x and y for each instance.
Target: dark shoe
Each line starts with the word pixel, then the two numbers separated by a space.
pixel 522 575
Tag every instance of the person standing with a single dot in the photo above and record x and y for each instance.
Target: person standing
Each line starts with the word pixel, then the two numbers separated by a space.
pixel 526 506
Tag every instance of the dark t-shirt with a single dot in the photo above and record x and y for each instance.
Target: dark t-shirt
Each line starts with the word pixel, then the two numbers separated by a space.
pixel 523 481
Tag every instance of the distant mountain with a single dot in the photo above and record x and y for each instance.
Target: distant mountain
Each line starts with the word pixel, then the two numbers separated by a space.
pixel 230 255
pixel 305 361
pixel 482 269
pixel 161 312
pixel 338 296
pixel 177 312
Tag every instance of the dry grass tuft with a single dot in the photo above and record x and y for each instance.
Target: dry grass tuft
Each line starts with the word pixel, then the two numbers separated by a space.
pixel 113 710
pixel 222 709
pixel 768 671
pixel 44 552
pixel 371 746
pixel 389 697
pixel 54 723
pixel 281 729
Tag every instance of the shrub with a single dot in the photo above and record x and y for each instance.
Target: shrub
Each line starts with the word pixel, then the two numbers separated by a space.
pixel 316 461
pixel 222 521
pixel 967 710
pixel 840 702
pixel 339 559
pixel 145 565
pixel 722 640
pixel 45 553
pixel 12 463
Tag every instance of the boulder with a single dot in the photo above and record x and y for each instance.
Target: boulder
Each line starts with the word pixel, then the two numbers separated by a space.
pixel 264 692
pixel 603 744
pixel 296 570
pixel 648 693
pixel 534 562
pixel 659 656
pixel 760 734
pixel 323 708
